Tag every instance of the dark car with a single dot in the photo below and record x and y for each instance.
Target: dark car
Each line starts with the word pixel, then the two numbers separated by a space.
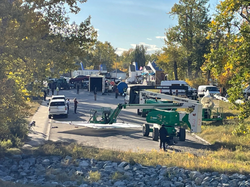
pixel 79 79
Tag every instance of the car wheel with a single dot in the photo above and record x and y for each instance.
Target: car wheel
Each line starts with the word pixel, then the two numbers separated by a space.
pixel 49 116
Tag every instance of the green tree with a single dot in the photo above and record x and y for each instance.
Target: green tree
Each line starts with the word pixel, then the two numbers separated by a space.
pixel 140 55
pixel 230 35
pixel 191 31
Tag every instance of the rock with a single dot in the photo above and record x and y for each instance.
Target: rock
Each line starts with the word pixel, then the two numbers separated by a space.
pixel 122 164
pixel 179 184
pixel 198 180
pixel 46 162
pixel 119 183
pixel 7 178
pixel 79 173
pixel 127 167
pixel 83 164
pixel 194 174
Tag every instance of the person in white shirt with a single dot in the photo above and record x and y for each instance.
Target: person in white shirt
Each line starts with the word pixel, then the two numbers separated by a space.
pixel 68 102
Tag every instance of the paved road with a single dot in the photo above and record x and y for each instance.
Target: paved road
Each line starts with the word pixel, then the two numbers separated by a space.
pixel 116 139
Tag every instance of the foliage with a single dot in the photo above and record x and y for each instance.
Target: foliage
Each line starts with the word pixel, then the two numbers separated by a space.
pixel 195 83
pixel 36 41
pixel 172 61
pixel 140 55
pixel 230 58
pixel 94 176
pixel 241 129
pixel 191 32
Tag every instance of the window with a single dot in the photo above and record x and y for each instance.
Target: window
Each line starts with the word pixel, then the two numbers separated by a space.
pixel 57 104
pixel 212 89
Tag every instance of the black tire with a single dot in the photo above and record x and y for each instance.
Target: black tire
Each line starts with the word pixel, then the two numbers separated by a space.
pixel 155 134
pixel 182 134
pixel 66 115
pixel 143 114
pixel 138 112
pixel 49 116
pixel 145 129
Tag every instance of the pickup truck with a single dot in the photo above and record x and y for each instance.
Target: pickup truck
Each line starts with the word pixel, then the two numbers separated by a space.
pixel 78 79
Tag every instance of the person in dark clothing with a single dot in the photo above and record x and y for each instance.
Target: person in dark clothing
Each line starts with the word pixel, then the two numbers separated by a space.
pixel 75 105
pixel 116 92
pixel 95 92
pixel 163 137
pixel 77 88
pixel 44 95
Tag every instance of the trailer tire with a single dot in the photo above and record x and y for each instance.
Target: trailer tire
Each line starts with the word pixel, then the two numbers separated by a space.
pixel 182 134
pixel 155 134
pixel 145 129
pixel 138 112
pixel 143 114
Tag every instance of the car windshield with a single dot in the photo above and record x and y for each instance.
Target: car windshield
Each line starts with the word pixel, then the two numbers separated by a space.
pixel 57 104
pixel 212 89
pixel 58 98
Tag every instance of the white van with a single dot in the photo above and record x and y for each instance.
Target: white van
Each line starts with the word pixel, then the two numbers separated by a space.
pixel 192 92
pixel 203 88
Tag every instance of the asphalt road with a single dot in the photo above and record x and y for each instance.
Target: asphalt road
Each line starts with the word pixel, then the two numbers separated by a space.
pixel 116 139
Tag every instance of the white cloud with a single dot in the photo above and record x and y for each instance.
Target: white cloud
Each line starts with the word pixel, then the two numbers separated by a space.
pixel 150 48
pixel 119 51
pixel 160 37
pixel 149 39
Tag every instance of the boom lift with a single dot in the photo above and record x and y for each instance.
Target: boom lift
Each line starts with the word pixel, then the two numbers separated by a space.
pixel 171 119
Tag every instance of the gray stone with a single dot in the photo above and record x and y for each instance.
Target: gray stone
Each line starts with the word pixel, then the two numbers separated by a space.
pixel 119 183
pixel 7 178
pixel 224 178
pixel 79 173
pixel 46 162
pixel 122 164
pixel 83 164
pixel 14 168
pixel 127 167
pixel 194 174
pixel 83 185
pixel 179 184
pixel 198 180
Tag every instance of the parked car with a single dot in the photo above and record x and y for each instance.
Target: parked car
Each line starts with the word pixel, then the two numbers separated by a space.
pixel 212 90
pixel 79 79
pixel 58 97
pixel 58 107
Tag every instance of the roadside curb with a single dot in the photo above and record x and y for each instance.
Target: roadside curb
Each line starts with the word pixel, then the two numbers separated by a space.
pixel 199 138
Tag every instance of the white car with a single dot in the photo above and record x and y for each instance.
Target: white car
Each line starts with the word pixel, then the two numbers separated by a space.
pixel 58 97
pixel 212 90
pixel 58 107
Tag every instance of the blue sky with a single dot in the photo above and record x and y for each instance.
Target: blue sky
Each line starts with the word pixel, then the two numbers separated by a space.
pixel 125 23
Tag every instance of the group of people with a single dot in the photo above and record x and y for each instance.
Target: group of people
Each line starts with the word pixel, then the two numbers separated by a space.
pixel 75 104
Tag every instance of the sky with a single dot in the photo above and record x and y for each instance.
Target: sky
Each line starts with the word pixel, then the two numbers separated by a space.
pixel 127 23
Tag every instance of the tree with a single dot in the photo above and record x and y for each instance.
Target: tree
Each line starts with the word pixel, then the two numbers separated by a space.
pixel 230 49
pixel 172 61
pixel 140 55
pixel 191 31
pixel 36 38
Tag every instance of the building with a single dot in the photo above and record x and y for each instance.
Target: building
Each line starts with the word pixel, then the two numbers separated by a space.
pixel 118 74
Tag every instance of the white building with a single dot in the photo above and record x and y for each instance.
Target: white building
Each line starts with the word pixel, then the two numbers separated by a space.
pixel 118 74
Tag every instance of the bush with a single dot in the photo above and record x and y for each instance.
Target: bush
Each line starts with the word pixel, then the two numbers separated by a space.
pixel 241 129
pixel 195 83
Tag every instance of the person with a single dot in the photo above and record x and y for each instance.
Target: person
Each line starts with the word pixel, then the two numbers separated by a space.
pixel 68 102
pixel 163 137
pixel 44 95
pixel 48 90
pixel 77 88
pixel 116 92
pixel 75 105
pixel 57 90
pixel 95 92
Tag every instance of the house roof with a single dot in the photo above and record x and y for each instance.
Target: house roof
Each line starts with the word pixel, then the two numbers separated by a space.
pixel 148 68
pixel 118 71
pixel 156 67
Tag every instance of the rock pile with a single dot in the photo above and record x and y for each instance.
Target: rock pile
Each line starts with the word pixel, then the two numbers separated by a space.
pixel 57 171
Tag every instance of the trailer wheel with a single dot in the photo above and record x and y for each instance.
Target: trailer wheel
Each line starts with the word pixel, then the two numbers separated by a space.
pixel 138 112
pixel 155 134
pixel 143 114
pixel 145 130
pixel 182 134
